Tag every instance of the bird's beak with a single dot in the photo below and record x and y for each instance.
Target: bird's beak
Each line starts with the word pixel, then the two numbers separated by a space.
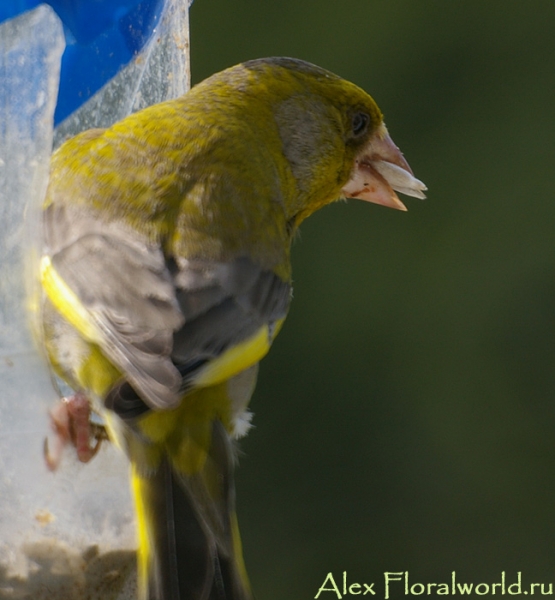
pixel 380 170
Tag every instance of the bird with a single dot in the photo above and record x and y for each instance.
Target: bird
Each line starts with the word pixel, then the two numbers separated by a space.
pixel 166 276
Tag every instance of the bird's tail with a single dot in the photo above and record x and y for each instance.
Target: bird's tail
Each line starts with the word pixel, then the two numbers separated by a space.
pixel 189 545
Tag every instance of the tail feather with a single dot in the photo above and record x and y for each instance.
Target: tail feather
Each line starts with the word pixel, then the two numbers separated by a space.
pixel 189 547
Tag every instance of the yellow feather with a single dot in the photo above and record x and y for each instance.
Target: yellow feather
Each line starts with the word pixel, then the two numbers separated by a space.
pixel 239 357
pixel 66 302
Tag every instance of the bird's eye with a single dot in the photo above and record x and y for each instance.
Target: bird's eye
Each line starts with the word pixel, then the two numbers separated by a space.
pixel 360 123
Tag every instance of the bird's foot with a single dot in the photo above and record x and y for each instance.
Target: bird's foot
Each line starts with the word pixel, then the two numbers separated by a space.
pixel 70 422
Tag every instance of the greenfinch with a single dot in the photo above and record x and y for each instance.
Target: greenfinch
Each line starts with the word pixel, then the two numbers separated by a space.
pixel 166 276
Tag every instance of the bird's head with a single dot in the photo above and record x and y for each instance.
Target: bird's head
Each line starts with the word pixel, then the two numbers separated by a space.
pixel 333 136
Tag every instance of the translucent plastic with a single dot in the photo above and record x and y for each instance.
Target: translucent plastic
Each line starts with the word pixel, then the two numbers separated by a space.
pixel 67 534
pixel 160 72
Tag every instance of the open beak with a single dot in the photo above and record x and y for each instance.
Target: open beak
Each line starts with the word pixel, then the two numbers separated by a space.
pixel 379 171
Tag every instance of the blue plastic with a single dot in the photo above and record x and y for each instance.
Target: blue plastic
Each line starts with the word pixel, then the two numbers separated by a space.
pixel 102 36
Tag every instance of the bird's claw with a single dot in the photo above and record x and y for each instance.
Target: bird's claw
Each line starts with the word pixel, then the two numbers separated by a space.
pixel 70 422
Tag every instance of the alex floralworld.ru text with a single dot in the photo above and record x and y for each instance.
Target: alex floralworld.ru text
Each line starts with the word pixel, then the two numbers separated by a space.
pixel 399 583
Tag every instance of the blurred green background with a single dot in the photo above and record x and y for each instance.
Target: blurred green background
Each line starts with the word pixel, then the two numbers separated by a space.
pixel 405 418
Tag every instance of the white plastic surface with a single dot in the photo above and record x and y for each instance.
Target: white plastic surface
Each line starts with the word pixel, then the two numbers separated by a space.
pixel 68 534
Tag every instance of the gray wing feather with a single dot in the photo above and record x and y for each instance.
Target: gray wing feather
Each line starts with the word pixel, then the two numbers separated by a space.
pixel 242 297
pixel 129 294
pixel 160 319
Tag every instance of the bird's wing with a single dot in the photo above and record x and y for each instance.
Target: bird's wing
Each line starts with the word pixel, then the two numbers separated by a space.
pixel 167 325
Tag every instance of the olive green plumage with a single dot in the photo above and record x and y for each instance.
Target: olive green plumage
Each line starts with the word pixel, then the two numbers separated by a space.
pixel 167 275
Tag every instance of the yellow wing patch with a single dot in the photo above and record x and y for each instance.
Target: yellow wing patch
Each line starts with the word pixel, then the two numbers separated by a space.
pixel 239 357
pixel 66 301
